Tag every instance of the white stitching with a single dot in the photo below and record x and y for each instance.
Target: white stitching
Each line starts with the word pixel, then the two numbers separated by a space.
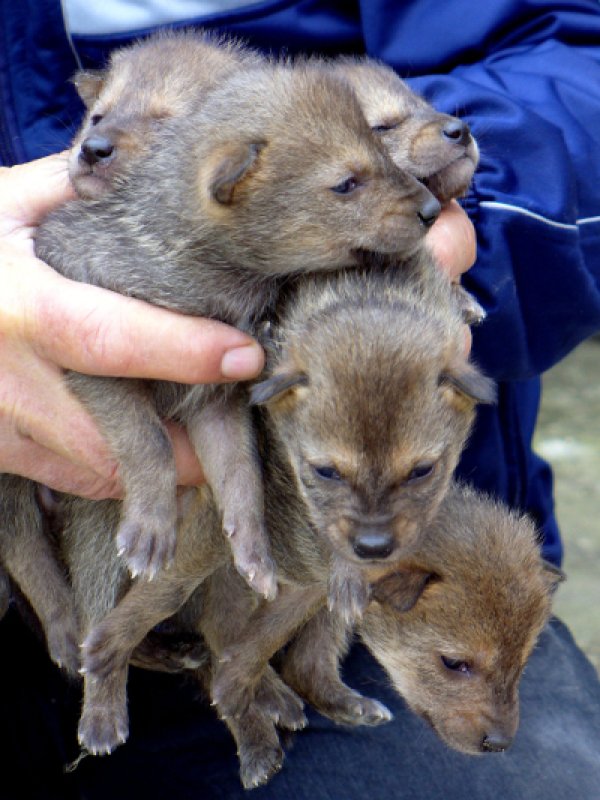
pixel 533 215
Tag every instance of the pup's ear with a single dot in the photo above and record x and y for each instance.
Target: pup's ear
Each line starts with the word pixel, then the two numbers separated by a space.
pixel 234 163
pixel 89 83
pixel 276 387
pixel 401 590
pixel 553 574
pixel 466 382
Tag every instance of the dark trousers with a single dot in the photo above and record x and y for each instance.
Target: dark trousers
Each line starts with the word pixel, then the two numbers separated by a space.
pixel 178 750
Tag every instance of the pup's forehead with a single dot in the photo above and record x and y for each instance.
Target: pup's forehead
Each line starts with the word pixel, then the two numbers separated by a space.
pixel 489 615
pixel 379 87
pixel 373 458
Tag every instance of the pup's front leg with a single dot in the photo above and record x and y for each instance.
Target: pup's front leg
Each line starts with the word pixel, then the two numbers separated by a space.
pixel 107 649
pixel 104 723
pixel 126 414
pixel 28 555
pixel 242 665
pixel 222 433
pixel 311 667
pixel 348 590
pixel 259 749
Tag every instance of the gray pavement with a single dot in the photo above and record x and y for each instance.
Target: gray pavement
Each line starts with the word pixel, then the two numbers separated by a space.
pixel 568 436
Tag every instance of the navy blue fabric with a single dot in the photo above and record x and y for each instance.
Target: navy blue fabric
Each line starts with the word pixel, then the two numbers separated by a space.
pixel 526 76
pixel 180 751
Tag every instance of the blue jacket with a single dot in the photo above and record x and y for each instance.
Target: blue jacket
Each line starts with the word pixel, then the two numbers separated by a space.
pixel 526 76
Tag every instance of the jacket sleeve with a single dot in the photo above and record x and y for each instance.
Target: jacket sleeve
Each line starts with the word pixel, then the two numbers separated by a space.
pixel 526 76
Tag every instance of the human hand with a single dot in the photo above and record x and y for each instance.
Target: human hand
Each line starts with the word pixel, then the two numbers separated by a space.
pixel 453 242
pixel 49 323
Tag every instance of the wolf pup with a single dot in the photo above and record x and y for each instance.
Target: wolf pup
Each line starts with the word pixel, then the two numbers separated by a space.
pixel 436 148
pixel 453 626
pixel 372 443
pixel 151 81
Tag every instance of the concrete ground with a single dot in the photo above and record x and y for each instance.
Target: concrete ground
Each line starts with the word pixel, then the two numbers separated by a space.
pixel 568 436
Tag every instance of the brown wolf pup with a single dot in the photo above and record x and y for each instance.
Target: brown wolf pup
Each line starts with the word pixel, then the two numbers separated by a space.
pixel 369 472
pixel 362 440
pixel 456 653
pixel 143 85
pixel 151 81
pixel 436 148
pixel 209 224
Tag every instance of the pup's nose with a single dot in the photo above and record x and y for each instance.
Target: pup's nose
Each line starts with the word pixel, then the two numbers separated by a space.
pixel 373 544
pixel 456 131
pixel 96 148
pixel 429 211
pixel 496 742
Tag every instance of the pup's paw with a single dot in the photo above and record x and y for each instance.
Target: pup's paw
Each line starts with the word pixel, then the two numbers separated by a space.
pixel 233 689
pixel 62 636
pixel 472 313
pixel 175 652
pixel 102 729
pixel 147 541
pixel 250 549
pixel 259 764
pixel 354 709
pixel 280 703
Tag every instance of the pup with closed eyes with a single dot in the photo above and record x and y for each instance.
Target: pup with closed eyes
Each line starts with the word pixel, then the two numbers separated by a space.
pixel 143 86
pixel 154 80
pixel 436 148
pixel 439 148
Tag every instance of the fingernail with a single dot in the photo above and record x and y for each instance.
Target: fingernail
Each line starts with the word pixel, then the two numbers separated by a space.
pixel 242 363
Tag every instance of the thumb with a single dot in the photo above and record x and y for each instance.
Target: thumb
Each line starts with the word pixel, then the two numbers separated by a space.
pixel 96 331
pixel 30 191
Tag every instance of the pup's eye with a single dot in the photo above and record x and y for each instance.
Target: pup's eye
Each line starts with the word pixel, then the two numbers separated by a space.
pixel 386 126
pixel 327 473
pixel 419 472
pixel 456 665
pixel 347 186
pixel 96 119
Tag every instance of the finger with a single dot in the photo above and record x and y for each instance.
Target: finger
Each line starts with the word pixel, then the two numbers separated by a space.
pixel 453 241
pixel 468 339
pixel 36 405
pixel 189 471
pixel 29 191
pixel 92 330
pixel 34 461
